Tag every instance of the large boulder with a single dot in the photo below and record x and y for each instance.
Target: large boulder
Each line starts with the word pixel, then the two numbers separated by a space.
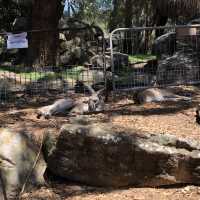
pixel 92 76
pixel 165 45
pixel 71 23
pixel 79 41
pixel 182 67
pixel 77 28
pixel 100 61
pixel 102 154
pixel 120 60
pixel 73 56
pixel 17 157
pixel 194 22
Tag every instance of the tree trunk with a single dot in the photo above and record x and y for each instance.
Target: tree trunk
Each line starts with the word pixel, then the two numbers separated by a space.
pixel 160 21
pixel 44 44
pixel 114 21
pixel 128 15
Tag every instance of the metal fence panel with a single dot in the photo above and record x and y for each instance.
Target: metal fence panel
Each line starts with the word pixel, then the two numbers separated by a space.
pixel 80 58
pixel 139 60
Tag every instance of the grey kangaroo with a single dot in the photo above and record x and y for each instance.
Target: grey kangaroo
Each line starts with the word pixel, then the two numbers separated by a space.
pixel 158 95
pixel 92 103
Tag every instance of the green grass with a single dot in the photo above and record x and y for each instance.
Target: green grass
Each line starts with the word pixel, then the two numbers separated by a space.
pixel 72 73
pixel 37 75
pixel 141 58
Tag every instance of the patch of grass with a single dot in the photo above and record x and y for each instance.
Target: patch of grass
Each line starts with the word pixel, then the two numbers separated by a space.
pixel 35 76
pixel 141 58
pixel 72 73
pixel 16 69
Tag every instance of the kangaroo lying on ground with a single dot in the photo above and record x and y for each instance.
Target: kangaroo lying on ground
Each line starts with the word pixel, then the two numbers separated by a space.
pixel 93 103
pixel 158 95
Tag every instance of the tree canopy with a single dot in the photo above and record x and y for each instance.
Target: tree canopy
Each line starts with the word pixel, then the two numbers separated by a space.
pixel 107 14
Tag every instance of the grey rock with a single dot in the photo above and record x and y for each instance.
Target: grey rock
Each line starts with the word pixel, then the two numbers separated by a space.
pixel 105 155
pixel 91 76
pixel 65 58
pixel 81 42
pixel 100 61
pixel 17 157
pixel 194 21
pixel 182 67
pixel 120 60
pixel 70 23
pixel 165 45
pixel 76 55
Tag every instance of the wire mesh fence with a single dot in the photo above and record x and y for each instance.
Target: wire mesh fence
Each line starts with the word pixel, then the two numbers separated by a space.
pixel 79 58
pixel 136 59
pixel 140 60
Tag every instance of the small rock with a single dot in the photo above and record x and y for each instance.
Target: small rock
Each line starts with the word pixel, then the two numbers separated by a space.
pixel 17 157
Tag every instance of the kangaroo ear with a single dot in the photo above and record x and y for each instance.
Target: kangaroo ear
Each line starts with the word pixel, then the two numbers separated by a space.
pixel 100 93
pixel 89 87
pixel 38 114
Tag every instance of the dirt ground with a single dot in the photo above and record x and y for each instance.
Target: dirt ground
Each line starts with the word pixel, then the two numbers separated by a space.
pixel 176 118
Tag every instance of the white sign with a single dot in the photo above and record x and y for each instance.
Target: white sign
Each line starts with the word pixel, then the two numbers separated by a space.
pixel 17 41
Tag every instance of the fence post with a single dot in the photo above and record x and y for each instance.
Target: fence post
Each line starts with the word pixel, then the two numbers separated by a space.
pixel 112 59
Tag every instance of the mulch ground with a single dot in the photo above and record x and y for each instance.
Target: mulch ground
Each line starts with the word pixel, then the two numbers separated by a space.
pixel 176 118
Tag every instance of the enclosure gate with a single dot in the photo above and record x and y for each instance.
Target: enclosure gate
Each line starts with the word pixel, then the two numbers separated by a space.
pixel 80 58
pixel 139 60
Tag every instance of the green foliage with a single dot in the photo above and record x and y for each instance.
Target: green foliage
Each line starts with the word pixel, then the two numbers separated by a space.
pixel 129 13
pixel 72 73
pixel 96 12
pixel 11 9
pixel 8 12
pixel 141 58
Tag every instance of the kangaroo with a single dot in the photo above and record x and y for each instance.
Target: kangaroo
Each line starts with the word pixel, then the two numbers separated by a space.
pixel 93 103
pixel 158 95
pixel 60 106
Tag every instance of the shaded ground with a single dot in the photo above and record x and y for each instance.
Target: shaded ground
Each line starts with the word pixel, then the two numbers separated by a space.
pixel 176 118
pixel 77 192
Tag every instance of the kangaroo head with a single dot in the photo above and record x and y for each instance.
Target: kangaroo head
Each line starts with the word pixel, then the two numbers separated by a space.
pixel 95 103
